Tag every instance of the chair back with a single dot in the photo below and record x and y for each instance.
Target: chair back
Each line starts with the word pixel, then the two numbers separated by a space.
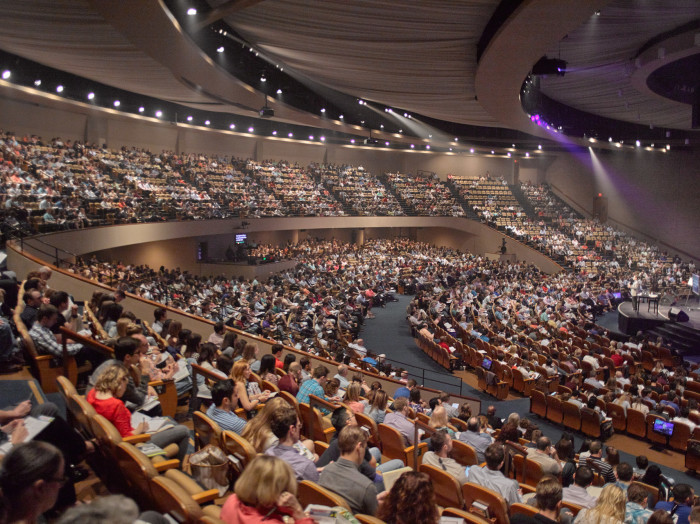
pixel 170 498
pixel 651 434
pixel 206 431
pixel 239 447
pixel 137 470
pixel 309 492
pixel 679 438
pixel 498 509
pixel 636 423
pixel 65 387
pixel 371 425
pixel 458 423
pixel 82 411
pixel 618 416
pixel 555 411
pixel 393 443
pixel 448 492
pixel 590 423
pixel 692 455
pixel 269 386
pixel 533 472
pixel 368 519
pixel 523 509
pixel 538 403
pixel 574 508
pixel 571 416
pixel 464 453
pixel 469 518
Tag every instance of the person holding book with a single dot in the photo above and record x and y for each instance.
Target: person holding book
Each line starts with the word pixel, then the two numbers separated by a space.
pixel 106 399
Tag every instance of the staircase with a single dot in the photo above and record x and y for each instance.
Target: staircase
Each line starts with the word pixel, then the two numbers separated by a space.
pixel 470 213
pixel 407 209
pixel 524 202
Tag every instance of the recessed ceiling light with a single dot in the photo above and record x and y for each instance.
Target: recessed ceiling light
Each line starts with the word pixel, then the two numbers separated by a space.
pixel 142 109
pixel 207 122
pixel 279 91
pixel 250 129
pixel 471 150
pixel 189 118
pixel 37 83
pixel 59 89
pixel 191 11
pixel 220 49
pixel 6 74
pixel 159 113
pixel 91 96
pixel 117 103
pixel 290 135
pixel 274 133
pixel 232 126
pixel 323 110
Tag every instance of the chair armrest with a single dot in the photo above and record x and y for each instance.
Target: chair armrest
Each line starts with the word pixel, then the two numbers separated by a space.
pixel 137 439
pixel 155 383
pixel 526 488
pixel 166 465
pixel 190 485
pixel 206 496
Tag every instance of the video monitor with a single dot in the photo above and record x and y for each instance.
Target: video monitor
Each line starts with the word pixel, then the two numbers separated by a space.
pixel 663 427
pixel 486 364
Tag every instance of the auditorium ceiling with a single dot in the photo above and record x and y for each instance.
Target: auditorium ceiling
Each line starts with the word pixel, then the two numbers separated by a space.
pixel 458 62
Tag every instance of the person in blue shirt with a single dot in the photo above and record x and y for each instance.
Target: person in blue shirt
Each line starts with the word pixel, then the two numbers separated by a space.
pixel 223 395
pixel 683 496
pixel 314 386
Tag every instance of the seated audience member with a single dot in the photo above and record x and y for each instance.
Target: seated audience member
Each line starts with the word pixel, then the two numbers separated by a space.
pixel 440 445
pixel 398 419
pixel 217 337
pixel 352 398
pixel 247 391
pixel 32 478
pixel 342 376
pixel 603 467
pixel 694 517
pixel 290 382
pixel 636 511
pixel 128 351
pixel 44 340
pixel 545 455
pixel 405 391
pixel 476 437
pixel 623 473
pixel 267 369
pixel 224 402
pixel 106 399
pixel 494 421
pixel 343 476
pixel 608 509
pixel 418 489
pixel 286 426
pixel 314 386
pixel 577 493
pixel 683 418
pixel 683 497
pixel 438 420
pixel 491 477
pixel 642 464
pixel 548 495
pixel 276 351
pixel 377 408
pixel 32 303
pixel 654 477
pixel 265 492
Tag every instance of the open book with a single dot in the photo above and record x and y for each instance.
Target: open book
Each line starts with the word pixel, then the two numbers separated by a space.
pixel 34 427
pixel 148 404
pixel 154 423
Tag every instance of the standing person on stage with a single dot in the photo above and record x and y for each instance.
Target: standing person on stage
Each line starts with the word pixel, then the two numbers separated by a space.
pixel 634 291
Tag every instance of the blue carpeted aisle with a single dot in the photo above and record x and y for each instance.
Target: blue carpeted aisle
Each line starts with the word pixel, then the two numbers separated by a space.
pixel 389 333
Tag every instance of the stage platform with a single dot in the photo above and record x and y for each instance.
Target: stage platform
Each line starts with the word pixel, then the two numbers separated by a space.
pixel 683 336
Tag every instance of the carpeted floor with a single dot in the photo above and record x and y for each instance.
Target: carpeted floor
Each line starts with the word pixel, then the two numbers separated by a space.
pixel 388 333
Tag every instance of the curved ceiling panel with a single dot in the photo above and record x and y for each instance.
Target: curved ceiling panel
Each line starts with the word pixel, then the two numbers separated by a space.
pixel 418 55
pixel 601 61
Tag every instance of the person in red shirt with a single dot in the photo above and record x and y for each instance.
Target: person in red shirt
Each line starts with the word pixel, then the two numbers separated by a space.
pixel 106 399
pixel 277 353
pixel 617 358
pixel 290 382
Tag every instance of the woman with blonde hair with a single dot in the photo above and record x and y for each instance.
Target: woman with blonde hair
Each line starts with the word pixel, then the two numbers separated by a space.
pixel 248 392
pixel 439 420
pixel 266 490
pixel 257 431
pixel 352 398
pixel 609 509
pixel 106 399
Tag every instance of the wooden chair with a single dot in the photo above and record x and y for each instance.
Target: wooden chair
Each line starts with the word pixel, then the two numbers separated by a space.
pixel 652 435
pixel 458 423
pixel 498 509
pixel 538 403
pixel 590 423
pixel 464 453
pixel 571 416
pixel 533 472
pixel 692 455
pixel 369 423
pixel 469 518
pixel 206 431
pixel 269 386
pixel 448 491
pixel 313 424
pixel 171 498
pixel 138 470
pixel 555 411
pixel 393 446
pixel 636 423
pixel 679 438
pixel 82 412
pixel 618 416
pixel 309 492
pixel 522 384
pixel 574 508
pixel 523 509
pixel 240 448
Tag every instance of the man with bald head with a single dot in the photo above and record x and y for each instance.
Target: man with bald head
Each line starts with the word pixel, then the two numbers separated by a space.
pixel 477 438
